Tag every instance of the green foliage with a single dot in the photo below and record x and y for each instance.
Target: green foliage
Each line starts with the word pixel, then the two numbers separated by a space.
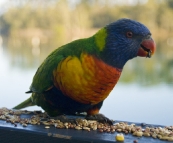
pixel 58 22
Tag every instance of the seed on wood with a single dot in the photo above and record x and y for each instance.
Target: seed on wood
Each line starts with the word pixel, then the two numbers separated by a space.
pixel 101 130
pixel 146 134
pixel 71 126
pixel 94 127
pixel 119 137
pixel 170 139
pixel 65 124
pixel 133 129
pixel 133 125
pixel 112 130
pixel 171 134
pixel 86 128
pixel 119 130
pixel 99 126
pixel 78 128
pixel 154 136
pixel 159 136
pixel 108 130
pixel 138 134
pixel 24 125
pixel 47 123
pixel 164 138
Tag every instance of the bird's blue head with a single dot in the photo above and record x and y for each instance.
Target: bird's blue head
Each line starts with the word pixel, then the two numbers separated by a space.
pixel 124 40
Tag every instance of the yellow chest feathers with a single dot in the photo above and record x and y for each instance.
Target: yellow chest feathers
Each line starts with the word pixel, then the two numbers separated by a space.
pixel 86 79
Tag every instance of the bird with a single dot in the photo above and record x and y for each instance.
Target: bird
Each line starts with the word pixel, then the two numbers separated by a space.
pixel 79 76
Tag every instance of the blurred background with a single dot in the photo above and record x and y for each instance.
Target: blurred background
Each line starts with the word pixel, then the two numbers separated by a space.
pixel 31 29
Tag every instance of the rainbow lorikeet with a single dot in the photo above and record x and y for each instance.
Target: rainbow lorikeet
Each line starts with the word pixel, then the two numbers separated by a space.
pixel 78 77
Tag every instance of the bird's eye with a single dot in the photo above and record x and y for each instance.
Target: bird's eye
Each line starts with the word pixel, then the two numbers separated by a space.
pixel 129 34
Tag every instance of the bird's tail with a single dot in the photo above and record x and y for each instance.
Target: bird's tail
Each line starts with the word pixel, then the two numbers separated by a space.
pixel 26 103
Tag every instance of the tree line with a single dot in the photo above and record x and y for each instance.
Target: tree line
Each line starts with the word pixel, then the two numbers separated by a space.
pixel 58 22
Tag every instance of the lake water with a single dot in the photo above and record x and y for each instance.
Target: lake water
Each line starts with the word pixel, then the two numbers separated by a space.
pixel 127 102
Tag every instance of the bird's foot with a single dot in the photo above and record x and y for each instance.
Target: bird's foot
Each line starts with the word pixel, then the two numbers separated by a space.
pixel 100 118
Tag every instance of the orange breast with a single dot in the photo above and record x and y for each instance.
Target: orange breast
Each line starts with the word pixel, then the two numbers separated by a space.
pixel 86 79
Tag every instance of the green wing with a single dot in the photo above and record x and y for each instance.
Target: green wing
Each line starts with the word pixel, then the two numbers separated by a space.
pixel 43 79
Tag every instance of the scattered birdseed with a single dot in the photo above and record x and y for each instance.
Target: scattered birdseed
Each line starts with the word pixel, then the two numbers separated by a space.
pixel 38 117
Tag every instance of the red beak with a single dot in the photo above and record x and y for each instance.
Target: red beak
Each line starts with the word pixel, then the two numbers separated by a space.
pixel 148 48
